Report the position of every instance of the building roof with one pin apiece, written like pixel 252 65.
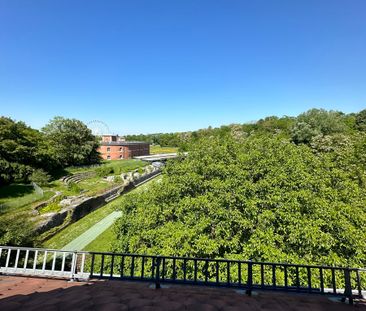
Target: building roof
pixel 123 143
pixel 24 293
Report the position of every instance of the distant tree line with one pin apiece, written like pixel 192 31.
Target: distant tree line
pixel 27 153
pixel 289 189
pixel 162 139
pixel 300 129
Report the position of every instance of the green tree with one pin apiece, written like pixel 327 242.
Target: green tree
pixel 318 122
pixel 21 149
pixel 71 142
pixel 16 230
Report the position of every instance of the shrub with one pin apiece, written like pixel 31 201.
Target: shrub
pixel 40 177
pixel 104 171
pixel 73 187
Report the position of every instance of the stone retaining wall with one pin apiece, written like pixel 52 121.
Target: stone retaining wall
pixel 88 205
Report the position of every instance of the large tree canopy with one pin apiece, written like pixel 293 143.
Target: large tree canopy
pixel 260 197
pixel 21 149
pixel 316 122
pixel 71 141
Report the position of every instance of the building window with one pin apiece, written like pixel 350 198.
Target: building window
pixel 108 149
pixel 108 157
pixel 121 156
pixel 120 149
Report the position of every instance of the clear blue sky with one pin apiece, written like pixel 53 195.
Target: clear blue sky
pixel 175 65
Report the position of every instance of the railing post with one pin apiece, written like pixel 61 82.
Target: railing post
pixel 157 274
pixel 250 278
pixel 92 266
pixel 73 266
pixel 348 286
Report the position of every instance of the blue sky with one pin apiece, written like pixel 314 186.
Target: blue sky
pixel 163 66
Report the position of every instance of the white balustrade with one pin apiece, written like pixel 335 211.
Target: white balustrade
pixel 43 262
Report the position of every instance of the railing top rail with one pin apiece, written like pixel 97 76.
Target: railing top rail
pixel 230 260
pixel 42 249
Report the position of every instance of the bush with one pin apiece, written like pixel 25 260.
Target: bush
pixel 73 187
pixel 104 171
pixel 40 177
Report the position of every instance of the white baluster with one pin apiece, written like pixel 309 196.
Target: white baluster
pixel 16 260
pixel 7 259
pixel 26 260
pixel 54 262
pixel 82 263
pixel 73 265
pixel 44 262
pixel 35 261
pixel 63 262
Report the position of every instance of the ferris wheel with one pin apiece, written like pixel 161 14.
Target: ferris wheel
pixel 98 128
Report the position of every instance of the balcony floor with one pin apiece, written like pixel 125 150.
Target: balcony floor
pixel 24 293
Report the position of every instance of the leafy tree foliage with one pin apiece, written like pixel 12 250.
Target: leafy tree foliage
pixel 260 196
pixel 16 231
pixel 317 122
pixel 21 149
pixel 301 129
pixel 24 150
pixel 71 142
pixel 361 120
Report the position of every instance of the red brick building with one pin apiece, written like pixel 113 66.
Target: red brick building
pixel 113 147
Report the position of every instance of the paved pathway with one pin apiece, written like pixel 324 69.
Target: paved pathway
pixel 91 234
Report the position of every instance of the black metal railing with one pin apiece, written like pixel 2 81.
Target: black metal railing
pixel 247 275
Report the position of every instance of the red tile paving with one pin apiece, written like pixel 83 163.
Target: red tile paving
pixel 36 294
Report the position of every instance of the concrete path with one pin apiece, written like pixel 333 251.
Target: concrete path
pixel 91 234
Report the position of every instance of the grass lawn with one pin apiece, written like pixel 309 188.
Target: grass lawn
pixel 103 242
pixel 125 165
pixel 119 166
pixel 16 197
pixel 154 149
pixel 94 185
